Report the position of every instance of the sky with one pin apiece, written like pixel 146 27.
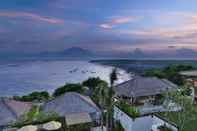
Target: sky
pixel 162 27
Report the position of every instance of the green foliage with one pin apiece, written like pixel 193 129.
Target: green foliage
pixel 98 88
pixel 68 88
pixel 184 90
pixel 118 127
pixel 42 117
pixel 164 128
pixel 185 119
pixel 128 109
pixel 93 82
pixel 34 96
pixel 170 72
pixel 159 99
pixel 34 116
pixel 99 94
pixel 80 127
pixel 178 68
pixel 155 72
pixel 32 113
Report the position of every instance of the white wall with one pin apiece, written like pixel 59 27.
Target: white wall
pixel 124 119
pixel 144 123
pixel 159 121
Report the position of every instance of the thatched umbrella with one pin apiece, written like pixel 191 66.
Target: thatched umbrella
pixel 53 125
pixel 28 128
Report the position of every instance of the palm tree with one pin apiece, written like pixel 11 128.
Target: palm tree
pixel 113 78
pixel 102 87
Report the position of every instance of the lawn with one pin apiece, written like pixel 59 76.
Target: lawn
pixel 190 123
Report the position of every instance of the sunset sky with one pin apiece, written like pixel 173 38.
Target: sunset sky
pixel 112 26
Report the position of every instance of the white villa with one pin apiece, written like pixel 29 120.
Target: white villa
pixel 145 93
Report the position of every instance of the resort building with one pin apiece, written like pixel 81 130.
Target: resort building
pixel 142 123
pixel 190 76
pixel 191 82
pixel 11 110
pixel 145 92
pixel 75 108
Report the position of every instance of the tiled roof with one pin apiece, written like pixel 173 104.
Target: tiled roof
pixel 144 86
pixel 70 102
pixel 10 110
pixel 77 118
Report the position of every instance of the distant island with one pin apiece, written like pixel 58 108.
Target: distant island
pixel 139 66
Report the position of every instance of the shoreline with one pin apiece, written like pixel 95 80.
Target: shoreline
pixel 25 78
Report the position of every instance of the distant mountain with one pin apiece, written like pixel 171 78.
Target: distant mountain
pixel 77 52
pixel 69 53
pixel 138 53
pixel 186 53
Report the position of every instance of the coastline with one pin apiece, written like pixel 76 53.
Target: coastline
pixel 25 77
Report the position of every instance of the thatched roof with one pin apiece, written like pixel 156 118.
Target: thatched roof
pixel 10 110
pixel 71 102
pixel 77 118
pixel 144 86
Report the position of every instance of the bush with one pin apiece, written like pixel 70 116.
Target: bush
pixel 68 88
pixel 80 127
pixel 128 109
pixel 118 127
pixel 34 96
pixel 93 82
pixel 159 99
pixel 164 128
pixel 170 72
pixel 34 116
pixel 154 72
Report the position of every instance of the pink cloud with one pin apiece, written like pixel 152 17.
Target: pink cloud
pixel 32 16
pixel 105 26
pixel 123 20
pixel 114 21
pixel 184 26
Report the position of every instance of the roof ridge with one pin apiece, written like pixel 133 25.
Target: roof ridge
pixel 133 78
pixel 169 83
pixel 9 108
pixel 84 98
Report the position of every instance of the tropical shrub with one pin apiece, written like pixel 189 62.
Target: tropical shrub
pixel 159 99
pixel 68 88
pixel 34 96
pixel 93 82
pixel 128 109
pixel 34 116
pixel 164 128
pixel 118 127
pixel 80 127
pixel 170 72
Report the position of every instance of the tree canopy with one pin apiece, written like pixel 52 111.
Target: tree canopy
pixel 93 82
pixel 34 96
pixel 170 72
pixel 185 119
pixel 68 88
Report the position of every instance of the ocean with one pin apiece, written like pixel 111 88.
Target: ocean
pixel 23 77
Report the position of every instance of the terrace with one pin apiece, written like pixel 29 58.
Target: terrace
pixel 142 123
